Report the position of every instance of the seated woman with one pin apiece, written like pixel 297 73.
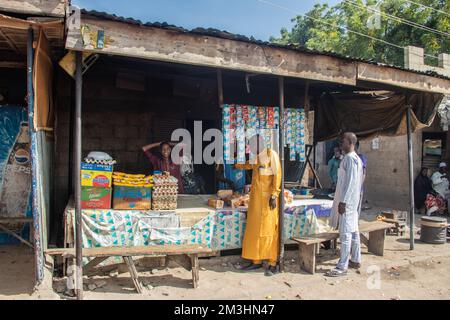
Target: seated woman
pixel 162 161
pixel 422 187
pixel 229 177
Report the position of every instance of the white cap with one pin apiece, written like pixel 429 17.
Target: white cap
pixel 442 165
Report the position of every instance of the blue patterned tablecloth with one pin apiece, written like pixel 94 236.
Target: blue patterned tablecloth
pixel 221 229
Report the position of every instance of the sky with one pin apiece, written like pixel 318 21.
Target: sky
pixel 245 17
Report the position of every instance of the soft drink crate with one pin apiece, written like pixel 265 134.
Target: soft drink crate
pixel 96 175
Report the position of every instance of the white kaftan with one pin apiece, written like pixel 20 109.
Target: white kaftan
pixel 440 184
pixel 348 191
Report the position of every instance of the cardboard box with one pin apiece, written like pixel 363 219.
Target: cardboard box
pixel 95 198
pixel 215 203
pixel 223 194
pixel 96 175
pixel 134 198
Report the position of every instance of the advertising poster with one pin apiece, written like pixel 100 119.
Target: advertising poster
pixel 15 169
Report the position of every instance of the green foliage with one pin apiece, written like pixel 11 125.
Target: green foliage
pixel 329 31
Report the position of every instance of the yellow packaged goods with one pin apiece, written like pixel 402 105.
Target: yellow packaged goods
pixel 96 175
pixel 132 180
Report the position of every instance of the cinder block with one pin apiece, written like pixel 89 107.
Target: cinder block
pixel 112 144
pixel 126 132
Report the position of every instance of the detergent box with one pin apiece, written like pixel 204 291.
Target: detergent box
pixel 132 198
pixel 96 175
pixel 96 198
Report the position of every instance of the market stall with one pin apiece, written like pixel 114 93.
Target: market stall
pixel 193 222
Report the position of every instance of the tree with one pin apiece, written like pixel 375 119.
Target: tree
pixel 327 28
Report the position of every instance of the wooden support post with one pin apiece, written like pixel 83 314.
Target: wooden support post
pixel 77 175
pixel 411 178
pixel 376 242
pixel 195 270
pixel 307 257
pixel 219 87
pixel 133 273
pixel 281 196
pixel 306 100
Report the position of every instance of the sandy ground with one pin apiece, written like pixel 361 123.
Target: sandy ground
pixel 399 274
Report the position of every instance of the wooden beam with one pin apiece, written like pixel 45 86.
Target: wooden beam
pixel 54 8
pixel 10 42
pixel 13 64
pixel 132 251
pixel 180 47
pixel 403 79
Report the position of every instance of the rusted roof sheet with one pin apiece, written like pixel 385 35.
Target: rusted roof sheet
pixel 227 35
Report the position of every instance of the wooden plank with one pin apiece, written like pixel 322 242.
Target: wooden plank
pixel 182 260
pixel 321 237
pixel 194 49
pixel 317 238
pixel 16 220
pixel 133 273
pixel 373 226
pixel 376 242
pixel 403 79
pixel 90 266
pixel 195 270
pixel 10 42
pixel 132 251
pixel 307 257
pixel 54 8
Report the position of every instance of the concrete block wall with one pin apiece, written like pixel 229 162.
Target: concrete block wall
pixel 119 133
pixel 387 180
pixel 414 60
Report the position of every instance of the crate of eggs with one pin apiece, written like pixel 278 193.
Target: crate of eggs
pixel 165 192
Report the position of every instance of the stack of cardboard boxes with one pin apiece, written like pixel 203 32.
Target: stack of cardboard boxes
pixel 96 186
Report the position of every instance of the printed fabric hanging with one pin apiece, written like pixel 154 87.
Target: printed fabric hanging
pixel 241 122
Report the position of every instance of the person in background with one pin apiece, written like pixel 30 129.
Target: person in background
pixel 261 242
pixel 162 161
pixel 422 187
pixel 333 166
pixel 229 177
pixel 440 182
pixel 345 211
pixel 363 160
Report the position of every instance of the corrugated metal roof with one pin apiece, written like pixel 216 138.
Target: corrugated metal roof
pixel 231 36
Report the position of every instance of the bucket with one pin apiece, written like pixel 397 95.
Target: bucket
pixel 433 230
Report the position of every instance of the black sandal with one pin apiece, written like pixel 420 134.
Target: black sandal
pixel 248 266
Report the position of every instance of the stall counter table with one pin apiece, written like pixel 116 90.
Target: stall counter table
pixel 192 223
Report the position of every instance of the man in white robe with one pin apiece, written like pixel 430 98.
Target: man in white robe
pixel 345 213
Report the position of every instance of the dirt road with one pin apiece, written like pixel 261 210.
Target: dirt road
pixel 400 274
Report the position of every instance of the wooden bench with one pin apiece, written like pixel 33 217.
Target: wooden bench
pixel 184 255
pixel 308 246
pixel 4 222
